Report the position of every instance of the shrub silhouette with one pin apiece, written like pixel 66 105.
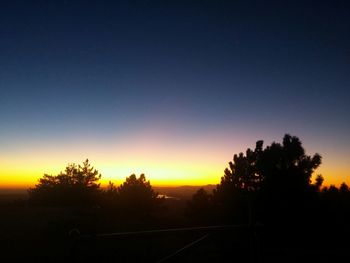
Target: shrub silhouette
pixel 77 185
pixel 136 195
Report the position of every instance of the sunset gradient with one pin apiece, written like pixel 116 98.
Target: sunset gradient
pixel 170 89
pixel 167 158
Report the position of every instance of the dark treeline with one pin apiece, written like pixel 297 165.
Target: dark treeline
pixel 274 187
pixel 78 186
pixel 271 185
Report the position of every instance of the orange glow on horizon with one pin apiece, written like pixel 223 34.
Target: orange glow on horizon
pixel 166 174
pixel 166 158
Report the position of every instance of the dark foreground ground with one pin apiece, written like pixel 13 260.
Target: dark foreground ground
pixel 41 234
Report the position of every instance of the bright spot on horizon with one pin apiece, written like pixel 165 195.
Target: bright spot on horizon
pixel 167 159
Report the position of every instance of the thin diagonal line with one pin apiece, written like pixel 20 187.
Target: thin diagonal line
pixel 182 249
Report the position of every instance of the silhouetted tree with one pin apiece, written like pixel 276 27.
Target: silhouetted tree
pixel 344 188
pixel 137 196
pixel 111 189
pixel 286 173
pixel 318 182
pixel 199 208
pixel 234 195
pixel 344 204
pixel 77 185
pixel 286 165
pixel 271 183
pixel 110 196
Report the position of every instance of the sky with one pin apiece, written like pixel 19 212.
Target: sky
pixel 171 89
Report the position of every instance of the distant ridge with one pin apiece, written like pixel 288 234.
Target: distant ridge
pixel 184 191
pixel 181 192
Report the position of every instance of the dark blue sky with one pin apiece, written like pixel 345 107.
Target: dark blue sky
pixel 102 68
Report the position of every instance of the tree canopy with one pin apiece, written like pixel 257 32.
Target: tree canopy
pixel 77 185
pixel 136 195
pixel 267 179
pixel 285 165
